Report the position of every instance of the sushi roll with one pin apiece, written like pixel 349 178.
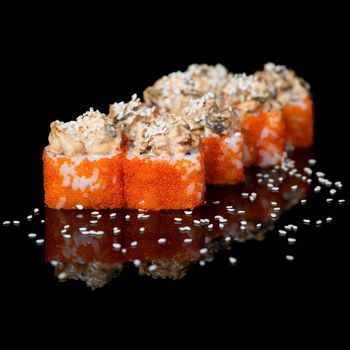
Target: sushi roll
pixel 219 130
pixel 164 167
pixel 83 164
pixel 297 104
pixel 260 117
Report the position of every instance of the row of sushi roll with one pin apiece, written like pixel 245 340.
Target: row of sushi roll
pixel 198 127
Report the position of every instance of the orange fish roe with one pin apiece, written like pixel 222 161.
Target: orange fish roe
pixel 264 138
pixel 224 159
pixel 155 183
pixel 299 123
pixel 91 181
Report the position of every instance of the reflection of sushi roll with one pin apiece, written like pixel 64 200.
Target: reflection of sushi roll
pixel 294 95
pixel 261 119
pixel 83 164
pixel 222 139
pixel 164 168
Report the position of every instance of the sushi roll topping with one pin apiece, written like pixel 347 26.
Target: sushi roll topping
pixel 248 93
pixel 288 85
pixel 91 134
pixel 208 115
pixel 167 134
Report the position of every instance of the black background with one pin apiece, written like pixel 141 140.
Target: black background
pixel 50 73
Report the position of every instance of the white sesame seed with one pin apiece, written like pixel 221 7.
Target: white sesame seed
pixel 222 220
pixel 294 228
pixel 66 236
pixel 258 175
pixel 40 241
pixel 124 251
pixel 196 222
pixel 275 189
pixel 308 171
pixel 142 229
pixel 99 216
pixel 81 229
pixel 229 206
pixel 210 226
pixel 241 212
pixel 79 216
pixel 42 221
pixel 306 221
pixel 217 217
pixel 271 180
pixel 341 201
pixel 116 230
pixel 282 232
pixel 137 262
pixel 142 216
pixel 152 268
pixel 332 192
pixel 202 263
pixel 259 225
pixel 230 210
pixel 86 232
pixel 133 244
pixel 291 240
pixel 54 263
pixel 269 185
pixel 266 176
pixel 338 184
pixel 303 201
pixel 127 217
pixel 228 239
pixel 112 215
pixel 288 227
pixel 232 260
pixel 318 222
pixel 99 233
pixel 290 257
pixel 308 181
pixel 32 235
pixel 188 240
pixel 243 227
pixel 317 189
pixel 329 200
pixel 277 209
pixel 203 251
pixel 329 219
pixel 79 207
pixel 116 246
pixel 294 188
pixel 273 215
pixel 94 213
pixel 216 202
pixel 16 222
pixel 64 231
pixel 161 240
pixel 260 181
pixel 29 217
pixel 62 275
pixel 312 161
pixel 93 222
pixel 188 212
pixel 221 225
pixel 243 222
pixel 6 223
pixel 178 219
pixel 36 210
pixel 245 195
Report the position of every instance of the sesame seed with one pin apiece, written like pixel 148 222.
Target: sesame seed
pixel 303 201
pixel 133 244
pixel 217 217
pixel 6 223
pixel 241 212
pixel 273 203
pixel 294 188
pixel 312 161
pixel 62 275
pixel 275 189
pixel 329 219
pixel 271 180
pixel 40 241
pixel 32 235
pixel 308 181
pixel 116 230
pixel 320 174
pixel 54 263
pixel 16 222
pixel 273 215
pixel 288 227
pixel 67 236
pixel 318 222
pixel 291 240
pixel 66 227
pixel 245 195
pixel 196 222
pixel 42 221
pixel 203 251
pixel 94 213
pixel 127 217
pixel 329 200
pixel 290 257
pixel 161 240
pixel 112 215
pixel 282 232
pixel 178 219
pixel 36 210
pixel 216 202
pixel 210 226
pixel 258 175
pixel 229 206
pixel 29 217
pixel 294 228
pixel 142 229
pixel 116 246
pixel 99 216
pixel 277 209
pixel 93 222
pixel 81 229
pixel 99 233
pixel 308 171
pixel 124 251
pixel 64 231
pixel 188 240
pixel 260 181
pixel 230 210
pixel 243 222
pixel 341 201
pixel 332 192
pixel 202 263
pixel 306 221
pixel 266 176
pixel 259 225
pixel 137 262
pixel 152 268
pixel 232 260
pixel 188 212
pixel 79 207
pixel 317 189
pixel 269 185
pixel 228 239
pixel 222 220
pixel 221 225
pixel 79 216
pixel 338 184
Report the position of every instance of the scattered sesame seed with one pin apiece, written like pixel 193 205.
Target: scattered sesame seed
pixel 221 225
pixel 188 212
pixel 54 263
pixel 210 226
pixel 282 232
pixel 152 268
pixel 232 260
pixel 62 275
pixel 6 223
pixel 94 213
pixel 294 228
pixel 241 212
pixel 291 240
pixel 188 240
pixel 332 192
pixel 312 161
pixel 124 251
pixel 66 236
pixel 271 180
pixel 329 219
pixel 216 202
pixel 112 215
pixel 79 216
pixel 259 225
pixel 36 210
pixel 99 233
pixel 288 227
pixel 260 181
pixel 317 189
pixel 202 263
pixel 161 240
pixel 303 201
pixel 93 222
pixel 341 201
pixel 196 222
pixel 133 244
pixel 329 200
pixel 16 222
pixel 273 215
pixel 277 209
pixel 338 184
pixel 116 246
pixel 127 217
pixel 32 235
pixel 178 219
pixel 243 222
pixel 290 257
pixel 42 221
pixel 29 217
pixel 137 262
pixel 230 210
pixel 320 174
pixel 116 230
pixel 228 239
pixel 308 171
pixel 203 251
pixel 245 195
pixel 99 216
pixel 275 189
pixel 40 241
pixel 294 188
pixel 223 220
pixel 269 185
pixel 82 229
pixel 308 181
pixel 318 222
pixel 64 231
pixel 306 221
pixel 142 229
pixel 79 207
pixel 229 206
pixel 66 226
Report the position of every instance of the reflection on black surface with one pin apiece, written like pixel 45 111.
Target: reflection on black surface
pixel 228 216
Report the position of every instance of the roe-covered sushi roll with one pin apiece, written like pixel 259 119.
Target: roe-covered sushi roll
pixel 83 164
pixel 294 95
pixel 164 167
pixel 260 118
